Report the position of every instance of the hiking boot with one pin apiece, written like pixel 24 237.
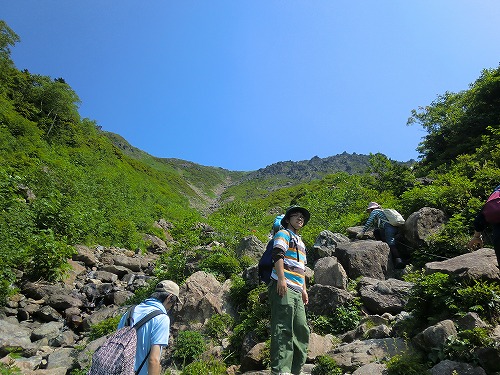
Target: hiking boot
pixel 399 264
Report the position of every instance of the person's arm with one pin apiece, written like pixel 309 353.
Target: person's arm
pixel 154 367
pixel 476 242
pixel 367 225
pixel 305 296
pixel 281 286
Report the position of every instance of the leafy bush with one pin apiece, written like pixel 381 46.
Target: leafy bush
pixel 219 326
pixel 221 262
pixel 6 369
pixel 409 363
pixel 211 367
pixel 342 319
pixel 439 296
pixel 326 366
pixel 49 257
pixel 188 346
pixel 463 347
pixel 104 328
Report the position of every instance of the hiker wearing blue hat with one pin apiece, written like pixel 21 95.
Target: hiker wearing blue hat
pixel 288 295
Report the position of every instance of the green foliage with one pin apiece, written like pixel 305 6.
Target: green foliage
pixel 456 122
pixel 463 347
pixel 104 328
pixel 211 367
pixel 409 363
pixel 221 262
pixel 326 366
pixel 6 369
pixel 254 314
pixel 343 318
pixel 439 296
pixel 188 346
pixel 219 326
pixel 48 257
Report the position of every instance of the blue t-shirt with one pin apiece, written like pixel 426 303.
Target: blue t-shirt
pixel 155 332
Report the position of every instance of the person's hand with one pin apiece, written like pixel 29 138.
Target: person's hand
pixel 305 297
pixel 360 235
pixel 475 243
pixel 281 287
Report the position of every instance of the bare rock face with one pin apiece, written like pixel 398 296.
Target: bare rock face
pixel 201 297
pixel 326 243
pixel 480 264
pixel 365 258
pixel 381 296
pixel 250 246
pixel 328 271
pixel 421 224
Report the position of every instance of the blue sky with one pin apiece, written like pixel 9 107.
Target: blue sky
pixel 244 84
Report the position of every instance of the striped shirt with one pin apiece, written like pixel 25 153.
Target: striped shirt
pixel 375 214
pixel 289 247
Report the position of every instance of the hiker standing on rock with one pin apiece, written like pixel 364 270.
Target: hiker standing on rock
pixel 377 218
pixel 154 334
pixel 288 295
pixel 489 214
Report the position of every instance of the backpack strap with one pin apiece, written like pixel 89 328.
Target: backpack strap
pixel 296 244
pixel 144 320
pixel 139 324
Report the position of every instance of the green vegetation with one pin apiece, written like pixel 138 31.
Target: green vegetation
pixel 63 181
pixel 188 347
pixel 439 296
pixel 326 366
pixel 104 328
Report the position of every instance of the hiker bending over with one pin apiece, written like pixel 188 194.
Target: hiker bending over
pixel 154 334
pixel 378 219
pixel 288 295
pixel 489 214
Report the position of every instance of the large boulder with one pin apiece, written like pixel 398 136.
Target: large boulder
pixel 480 264
pixel 328 271
pixel 365 258
pixel 381 296
pixel 326 243
pixel 422 224
pixel 324 299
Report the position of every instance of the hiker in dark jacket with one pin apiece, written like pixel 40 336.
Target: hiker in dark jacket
pixel 153 335
pixel 383 230
pixel 480 224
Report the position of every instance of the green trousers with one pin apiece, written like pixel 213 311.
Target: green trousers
pixel 289 331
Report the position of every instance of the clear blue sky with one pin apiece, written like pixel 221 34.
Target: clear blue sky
pixel 242 84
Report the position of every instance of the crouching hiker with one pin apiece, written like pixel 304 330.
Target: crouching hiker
pixel 154 334
pixel 135 348
pixel 384 231
pixel 288 295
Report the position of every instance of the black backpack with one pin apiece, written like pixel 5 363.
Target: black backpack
pixel 266 263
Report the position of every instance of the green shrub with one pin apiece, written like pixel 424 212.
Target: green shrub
pixel 409 363
pixel 482 297
pixel 219 326
pixel 104 328
pixel 326 366
pixel 211 367
pixel 463 347
pixel 188 346
pixel 343 319
pixel 221 262
pixel 49 257
pixel 6 369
